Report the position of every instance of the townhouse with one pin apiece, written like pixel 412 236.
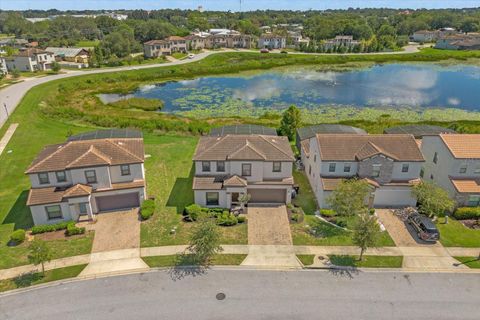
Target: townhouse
pixel 272 41
pixel 167 46
pixel 88 174
pixel 71 54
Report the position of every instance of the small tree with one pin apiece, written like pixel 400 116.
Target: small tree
pixel 56 66
pixel 39 254
pixel 365 233
pixel 290 122
pixel 243 199
pixel 349 197
pixel 204 242
pixel 433 200
pixel 15 73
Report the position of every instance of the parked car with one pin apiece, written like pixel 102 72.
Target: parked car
pixel 191 56
pixel 424 227
pixel 264 51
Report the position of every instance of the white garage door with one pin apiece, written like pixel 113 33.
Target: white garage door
pixel 393 197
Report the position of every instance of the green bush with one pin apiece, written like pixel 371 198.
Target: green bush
pixel 296 217
pixel 371 211
pixel 341 224
pixel 241 219
pixel 226 219
pixel 328 213
pixel 147 209
pixel 49 227
pixel 467 213
pixel 72 229
pixel 193 211
pixel 17 236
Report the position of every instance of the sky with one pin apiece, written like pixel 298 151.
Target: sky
pixel 233 5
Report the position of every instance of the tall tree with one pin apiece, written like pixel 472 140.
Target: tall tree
pixel 204 242
pixel 291 120
pixel 39 253
pixel 365 232
pixel 433 200
pixel 349 198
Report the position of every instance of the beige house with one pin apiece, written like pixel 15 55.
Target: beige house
pixel 391 164
pixel 453 162
pixel 272 41
pixel 229 165
pixel 30 60
pixel 86 176
pixel 167 46
pixel 72 54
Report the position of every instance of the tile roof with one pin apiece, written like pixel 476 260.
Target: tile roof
pixel 174 38
pixel 45 196
pixel 66 52
pixel 154 42
pixel 208 183
pixel 235 181
pixel 306 147
pixel 78 190
pixel 352 147
pixel 29 52
pixel 330 184
pixel 244 147
pixel 86 153
pixel 463 146
pixel 466 186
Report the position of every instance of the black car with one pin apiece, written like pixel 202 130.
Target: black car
pixel 425 228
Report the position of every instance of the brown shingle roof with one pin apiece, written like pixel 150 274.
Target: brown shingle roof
pixel 174 38
pixel 466 186
pixel 235 181
pixel 30 52
pixel 351 147
pixel 244 147
pixel 154 42
pixel 463 146
pixel 86 153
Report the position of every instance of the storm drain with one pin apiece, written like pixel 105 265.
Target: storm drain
pixel 220 296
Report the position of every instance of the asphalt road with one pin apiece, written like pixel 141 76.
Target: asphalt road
pixel 255 295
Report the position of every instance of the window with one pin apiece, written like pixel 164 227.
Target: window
pixel 405 167
pixel 422 172
pixel 277 166
pixel 83 207
pixel 221 166
pixel 376 170
pixel 246 169
pixel 431 177
pixel 473 201
pixel 435 158
pixel 54 212
pixel 212 198
pixel 91 176
pixel 477 170
pixel 206 166
pixel 61 176
pixel 309 169
pixel 346 167
pixel 43 178
pixel 331 167
pixel 125 169
pixel 463 168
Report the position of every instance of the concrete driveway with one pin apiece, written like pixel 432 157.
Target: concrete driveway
pixel 268 225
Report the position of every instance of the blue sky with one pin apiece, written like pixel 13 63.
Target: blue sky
pixel 232 4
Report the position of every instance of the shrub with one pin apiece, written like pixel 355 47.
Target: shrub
pixel 341 223
pixel 72 229
pixel 467 213
pixel 49 227
pixel 328 213
pixel 193 211
pixel 242 219
pixel 17 236
pixel 226 219
pixel 296 217
pixel 147 209
pixel 371 211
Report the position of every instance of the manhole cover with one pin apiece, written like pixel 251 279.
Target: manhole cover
pixel 220 296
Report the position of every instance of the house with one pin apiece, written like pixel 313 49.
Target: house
pixel 31 60
pixel 425 36
pixel 297 39
pixel 272 41
pixel 167 46
pixel 341 41
pixel 195 42
pixel 177 44
pixel 233 164
pixel 3 66
pixel 13 42
pixel 453 162
pixel 88 174
pixel 459 42
pixel 390 164
pixel 75 55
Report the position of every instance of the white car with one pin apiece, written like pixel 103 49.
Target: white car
pixel 191 56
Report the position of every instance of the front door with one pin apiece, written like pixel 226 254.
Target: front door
pixel 235 196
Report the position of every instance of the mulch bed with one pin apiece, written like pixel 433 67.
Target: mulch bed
pixel 471 224
pixel 290 213
pixel 57 235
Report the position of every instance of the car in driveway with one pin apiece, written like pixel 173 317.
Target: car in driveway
pixel 265 50
pixel 424 227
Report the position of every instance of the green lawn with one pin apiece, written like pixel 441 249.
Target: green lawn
pixel 305 198
pixel 455 234
pixel 32 279
pixel 179 55
pixel 367 262
pixel 306 259
pixel 87 43
pixel 172 260
pixel 471 262
pixel 325 234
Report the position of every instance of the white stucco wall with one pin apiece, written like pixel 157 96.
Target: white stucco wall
pixel 136 173
pixel 201 198
pixel 52 178
pixel 103 177
pixel 39 214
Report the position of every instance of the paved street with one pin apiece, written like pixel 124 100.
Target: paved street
pixel 254 295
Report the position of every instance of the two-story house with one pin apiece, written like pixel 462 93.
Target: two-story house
pixel 230 165
pixel 453 162
pixel 272 41
pixel 391 164
pixel 30 60
pixel 85 176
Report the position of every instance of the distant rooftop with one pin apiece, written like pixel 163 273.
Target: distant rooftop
pixel 243 129
pixel 419 131
pixel 311 131
pixel 107 134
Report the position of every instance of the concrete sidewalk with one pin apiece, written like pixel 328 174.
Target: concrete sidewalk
pixel 7 136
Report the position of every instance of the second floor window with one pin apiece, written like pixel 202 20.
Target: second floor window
pixel 331 167
pixel 206 166
pixel 246 169
pixel 463 168
pixel 125 169
pixel 376 170
pixel 435 158
pixel 91 176
pixel 277 166
pixel 61 176
pixel 220 166
pixel 405 167
pixel 346 167
pixel 43 178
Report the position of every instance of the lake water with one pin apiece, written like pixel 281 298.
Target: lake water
pixel 390 85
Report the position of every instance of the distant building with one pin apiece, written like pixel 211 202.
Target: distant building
pixel 3 66
pixel 298 39
pixel 167 46
pixel 31 60
pixel 13 42
pixel 432 35
pixel 459 42
pixel 75 55
pixel 345 41
pixel 272 41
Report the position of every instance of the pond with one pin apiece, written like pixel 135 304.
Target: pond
pixel 393 86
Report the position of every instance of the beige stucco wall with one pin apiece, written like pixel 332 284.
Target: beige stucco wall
pixel 136 173
pixel 201 198
pixel 103 177
pixel 39 214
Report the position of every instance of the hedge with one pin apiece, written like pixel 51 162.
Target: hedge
pixel 226 219
pixel 328 213
pixel 74 230
pixel 147 209
pixel 49 227
pixel 467 213
pixel 17 236
pixel 193 211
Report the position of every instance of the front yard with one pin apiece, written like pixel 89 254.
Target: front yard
pixel 174 260
pixel 455 234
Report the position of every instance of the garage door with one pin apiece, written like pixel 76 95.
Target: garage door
pixel 118 202
pixel 393 197
pixel 267 195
